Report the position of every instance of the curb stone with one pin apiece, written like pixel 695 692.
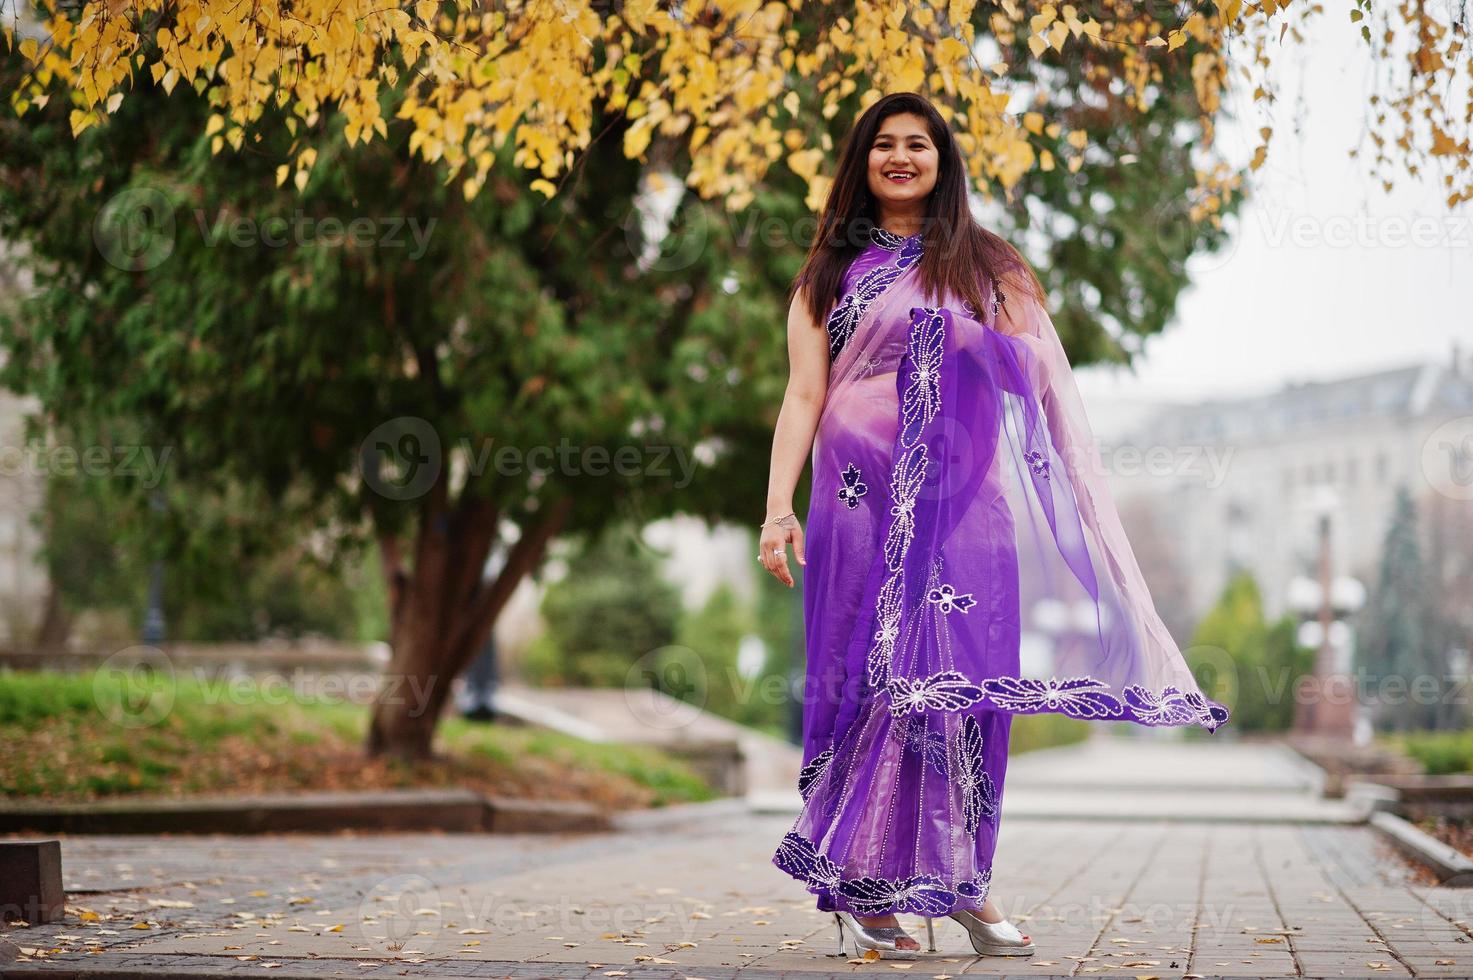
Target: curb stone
pixel 1452 867
pixel 383 810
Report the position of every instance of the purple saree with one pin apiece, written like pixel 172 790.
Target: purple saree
pixel 958 508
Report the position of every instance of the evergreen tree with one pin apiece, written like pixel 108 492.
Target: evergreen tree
pixel 1394 648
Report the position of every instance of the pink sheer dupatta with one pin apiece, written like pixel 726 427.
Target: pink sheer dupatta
pixel 1021 315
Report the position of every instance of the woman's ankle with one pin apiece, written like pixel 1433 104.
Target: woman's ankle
pixel 873 920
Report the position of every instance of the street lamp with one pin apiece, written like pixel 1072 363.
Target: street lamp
pixel 1327 703
pixel 153 616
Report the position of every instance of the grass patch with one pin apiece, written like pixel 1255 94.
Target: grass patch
pixel 78 737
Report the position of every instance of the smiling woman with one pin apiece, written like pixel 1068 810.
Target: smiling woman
pixel 956 495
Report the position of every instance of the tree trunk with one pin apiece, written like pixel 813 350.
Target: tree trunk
pixel 442 612
pixel 56 625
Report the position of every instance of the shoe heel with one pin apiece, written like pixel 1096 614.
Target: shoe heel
pixel 840 923
pixel 930 936
pixel 880 939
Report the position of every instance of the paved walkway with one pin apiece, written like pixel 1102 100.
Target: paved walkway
pixel 693 893
pixel 1151 775
pixel 644 715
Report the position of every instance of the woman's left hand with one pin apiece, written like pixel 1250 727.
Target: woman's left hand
pixel 772 547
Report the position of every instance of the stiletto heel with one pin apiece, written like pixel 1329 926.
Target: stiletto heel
pixel 930 936
pixel 1000 938
pixel 840 923
pixel 881 938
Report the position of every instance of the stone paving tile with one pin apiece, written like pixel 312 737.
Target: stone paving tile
pixel 1136 897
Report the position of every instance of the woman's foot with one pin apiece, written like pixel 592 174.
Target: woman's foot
pixel 991 914
pixel 901 942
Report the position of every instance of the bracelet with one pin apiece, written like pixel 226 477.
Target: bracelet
pixel 776 519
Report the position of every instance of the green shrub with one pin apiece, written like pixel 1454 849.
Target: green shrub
pixel 610 610
pixel 1441 753
pixel 1263 662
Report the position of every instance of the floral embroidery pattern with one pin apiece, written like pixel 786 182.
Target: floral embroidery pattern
pixel 905 484
pixel 846 316
pixel 1038 462
pixel 909 248
pixel 977 888
pixel 853 488
pixel 809 775
pixel 948 690
pixel 1091 698
pixel 910 253
pixel 850 310
pixel 979 795
pixel 1080 697
pixel 799 857
pixel 922 894
pixel 1171 707
pixel 947 599
pixel 916 736
pixel 887 630
pixel 923 395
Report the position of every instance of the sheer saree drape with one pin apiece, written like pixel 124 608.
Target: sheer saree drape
pixel 966 563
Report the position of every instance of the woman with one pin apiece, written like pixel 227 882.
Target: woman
pixel 957 495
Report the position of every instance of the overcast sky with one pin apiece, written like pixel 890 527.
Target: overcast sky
pixel 1327 275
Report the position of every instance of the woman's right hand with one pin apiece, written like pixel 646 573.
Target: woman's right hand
pixel 772 547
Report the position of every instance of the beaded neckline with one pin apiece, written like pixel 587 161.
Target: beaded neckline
pixel 890 240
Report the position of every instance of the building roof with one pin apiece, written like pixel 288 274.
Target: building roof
pixel 1407 392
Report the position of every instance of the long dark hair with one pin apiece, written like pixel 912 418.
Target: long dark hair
pixel 959 256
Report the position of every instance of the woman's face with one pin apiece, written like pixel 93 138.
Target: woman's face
pixel 902 146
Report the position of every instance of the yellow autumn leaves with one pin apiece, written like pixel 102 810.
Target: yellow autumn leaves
pixel 720 78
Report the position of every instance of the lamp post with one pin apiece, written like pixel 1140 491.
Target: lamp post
pixel 1327 704
pixel 153 616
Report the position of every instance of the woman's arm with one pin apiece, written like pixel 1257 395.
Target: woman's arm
pixel 792 438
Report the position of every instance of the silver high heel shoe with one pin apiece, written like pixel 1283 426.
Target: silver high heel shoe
pixel 882 938
pixel 1000 938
